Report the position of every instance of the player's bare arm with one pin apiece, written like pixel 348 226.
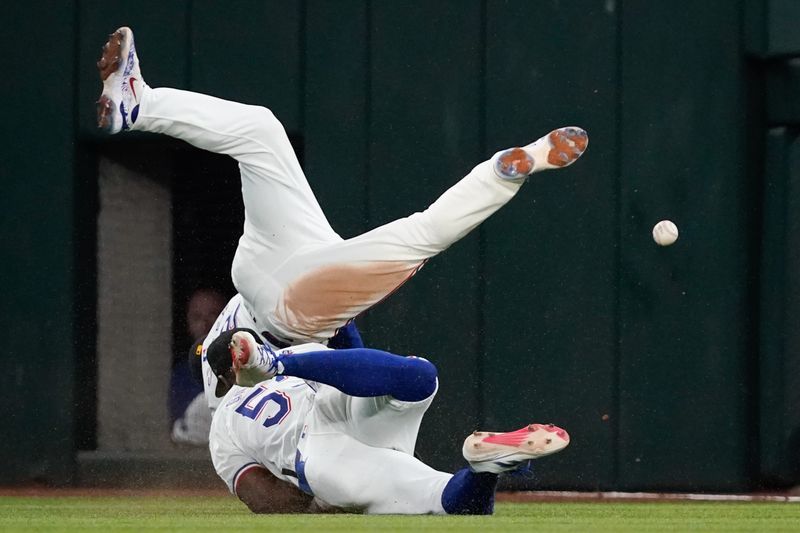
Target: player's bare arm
pixel 263 493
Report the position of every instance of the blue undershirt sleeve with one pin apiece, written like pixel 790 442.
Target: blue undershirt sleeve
pixel 365 372
pixel 346 337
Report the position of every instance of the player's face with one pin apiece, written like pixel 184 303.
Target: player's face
pixel 202 312
pixel 225 382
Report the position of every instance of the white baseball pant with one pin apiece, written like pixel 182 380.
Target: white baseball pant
pixel 358 455
pixel 300 280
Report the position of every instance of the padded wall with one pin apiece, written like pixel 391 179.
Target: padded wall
pixel 36 236
pixel 560 308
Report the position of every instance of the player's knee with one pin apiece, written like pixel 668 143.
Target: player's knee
pixel 267 123
pixel 266 116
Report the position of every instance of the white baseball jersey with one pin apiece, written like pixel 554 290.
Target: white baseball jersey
pixel 260 427
pixel 234 315
pixel 350 452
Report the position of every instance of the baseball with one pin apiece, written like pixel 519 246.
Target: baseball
pixel 665 233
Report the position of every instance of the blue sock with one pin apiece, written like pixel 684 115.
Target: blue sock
pixel 469 492
pixel 365 372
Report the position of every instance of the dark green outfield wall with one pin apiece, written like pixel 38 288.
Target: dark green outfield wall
pixel 672 368
pixel 36 236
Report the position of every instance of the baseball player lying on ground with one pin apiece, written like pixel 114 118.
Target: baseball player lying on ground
pixel 298 280
pixel 309 429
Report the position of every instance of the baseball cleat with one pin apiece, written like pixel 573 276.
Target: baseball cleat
pixel 514 163
pixel 503 452
pixel 118 105
pixel 252 362
pixel 559 148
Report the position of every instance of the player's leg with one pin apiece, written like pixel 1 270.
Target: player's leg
pixel 355 451
pixel 325 285
pixel 380 399
pixel 280 209
pixel 376 397
pixel 360 372
pixel 344 472
pixel 279 204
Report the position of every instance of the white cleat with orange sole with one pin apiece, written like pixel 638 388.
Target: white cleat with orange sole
pixel 503 452
pixel 558 149
pixel 252 361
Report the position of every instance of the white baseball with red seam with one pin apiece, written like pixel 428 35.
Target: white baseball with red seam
pixel 665 233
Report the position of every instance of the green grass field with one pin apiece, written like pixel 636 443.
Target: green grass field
pixel 140 513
